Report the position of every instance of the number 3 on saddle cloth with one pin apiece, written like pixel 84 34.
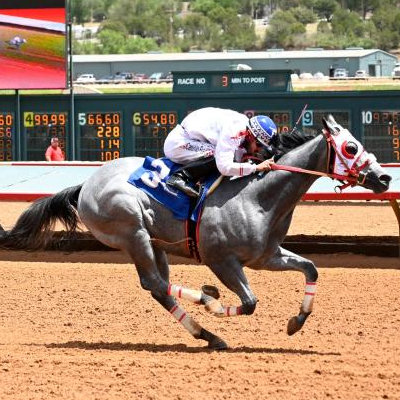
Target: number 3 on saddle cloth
pixel 151 177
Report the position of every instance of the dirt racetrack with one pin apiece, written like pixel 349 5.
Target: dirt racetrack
pixel 84 330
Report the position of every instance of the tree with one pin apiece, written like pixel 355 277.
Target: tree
pixel 216 25
pixel 199 32
pixel 325 8
pixel 112 42
pixel 363 6
pixel 303 15
pixel 288 4
pixel 79 11
pixel 254 8
pixel 283 29
pixel 386 21
pixel 139 45
pixel 115 26
pixel 347 23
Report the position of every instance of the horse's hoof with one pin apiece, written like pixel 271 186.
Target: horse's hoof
pixel 217 343
pixel 211 291
pixel 214 307
pixel 214 342
pixel 294 325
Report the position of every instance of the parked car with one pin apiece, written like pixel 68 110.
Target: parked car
pixel 105 80
pixel 155 77
pixel 361 74
pixel 86 78
pixel 305 76
pixel 123 77
pixel 140 78
pixel 319 75
pixel 340 73
pixel 396 71
pixel 166 77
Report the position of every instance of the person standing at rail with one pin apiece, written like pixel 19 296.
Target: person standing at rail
pixel 54 152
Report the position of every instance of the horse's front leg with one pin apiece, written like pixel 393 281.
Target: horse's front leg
pixel 230 273
pixel 285 260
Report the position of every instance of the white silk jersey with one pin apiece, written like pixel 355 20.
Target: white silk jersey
pixel 211 131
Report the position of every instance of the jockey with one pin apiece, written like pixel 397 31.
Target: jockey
pixel 211 139
pixel 17 41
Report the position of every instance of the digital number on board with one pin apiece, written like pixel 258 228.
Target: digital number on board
pixel 381 133
pixel 150 130
pixel 39 128
pixel 6 136
pixel 100 136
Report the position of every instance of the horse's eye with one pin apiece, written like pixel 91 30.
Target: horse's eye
pixel 351 148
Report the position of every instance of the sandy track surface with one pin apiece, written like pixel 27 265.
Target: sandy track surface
pixel 84 330
pixel 87 331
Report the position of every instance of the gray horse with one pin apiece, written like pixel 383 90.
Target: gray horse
pixel 244 223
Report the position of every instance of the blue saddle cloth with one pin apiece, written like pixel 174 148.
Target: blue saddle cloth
pixel 151 177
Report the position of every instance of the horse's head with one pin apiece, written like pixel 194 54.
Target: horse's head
pixel 352 161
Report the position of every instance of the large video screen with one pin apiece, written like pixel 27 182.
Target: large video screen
pixel 33 44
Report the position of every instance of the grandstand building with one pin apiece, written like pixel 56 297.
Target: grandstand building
pixel 374 61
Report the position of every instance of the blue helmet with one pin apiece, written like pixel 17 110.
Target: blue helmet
pixel 262 128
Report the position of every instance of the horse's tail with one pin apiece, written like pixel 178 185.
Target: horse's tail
pixel 32 229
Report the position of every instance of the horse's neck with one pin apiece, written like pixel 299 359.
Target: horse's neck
pixel 289 187
pixel 311 155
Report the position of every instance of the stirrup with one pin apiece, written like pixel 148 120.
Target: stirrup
pixel 178 182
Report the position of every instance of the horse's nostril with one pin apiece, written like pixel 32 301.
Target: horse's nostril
pixel 385 178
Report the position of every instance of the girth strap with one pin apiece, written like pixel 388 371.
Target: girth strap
pixel 192 232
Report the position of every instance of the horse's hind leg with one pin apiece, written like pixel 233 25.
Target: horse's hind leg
pixel 152 267
pixel 284 260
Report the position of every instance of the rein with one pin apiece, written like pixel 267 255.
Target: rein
pixel 355 176
pixel 279 167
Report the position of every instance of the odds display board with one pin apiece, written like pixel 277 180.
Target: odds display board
pixel 150 128
pixel 39 128
pixel 381 134
pixel 106 127
pixel 33 45
pixel 7 134
pixel 100 136
pixel 252 81
pixel 312 119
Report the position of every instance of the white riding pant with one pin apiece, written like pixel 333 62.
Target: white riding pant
pixel 182 149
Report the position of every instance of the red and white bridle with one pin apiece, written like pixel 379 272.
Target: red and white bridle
pixel 345 167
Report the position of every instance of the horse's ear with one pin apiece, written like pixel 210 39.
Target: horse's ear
pixel 325 124
pixel 331 125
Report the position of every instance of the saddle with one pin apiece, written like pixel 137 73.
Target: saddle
pixel 152 178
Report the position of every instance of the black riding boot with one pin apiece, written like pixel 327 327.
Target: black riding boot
pixel 186 177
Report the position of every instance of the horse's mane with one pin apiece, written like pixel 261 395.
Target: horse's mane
pixel 291 140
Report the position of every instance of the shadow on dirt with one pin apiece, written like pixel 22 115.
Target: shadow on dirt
pixel 180 348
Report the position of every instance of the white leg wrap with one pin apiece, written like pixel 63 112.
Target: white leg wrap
pixel 186 320
pixel 214 307
pixel 181 292
pixel 307 305
pixel 217 309
pixel 232 311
